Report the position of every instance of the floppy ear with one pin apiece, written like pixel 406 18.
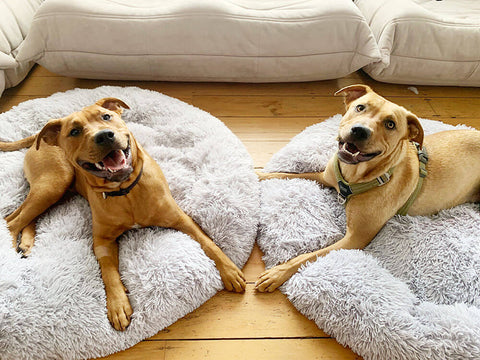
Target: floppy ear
pixel 415 130
pixel 113 104
pixel 49 133
pixel 353 92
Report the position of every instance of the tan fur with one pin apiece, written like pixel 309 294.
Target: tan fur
pixel 453 174
pixel 51 168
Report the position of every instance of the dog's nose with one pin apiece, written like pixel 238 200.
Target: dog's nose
pixel 360 132
pixel 104 137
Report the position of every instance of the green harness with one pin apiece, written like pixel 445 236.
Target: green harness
pixel 347 190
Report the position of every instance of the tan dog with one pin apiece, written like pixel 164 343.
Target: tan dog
pixel 375 139
pixel 93 151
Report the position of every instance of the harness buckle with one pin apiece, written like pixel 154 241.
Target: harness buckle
pixel 383 179
pixel 341 200
pixel 423 157
pixel 344 192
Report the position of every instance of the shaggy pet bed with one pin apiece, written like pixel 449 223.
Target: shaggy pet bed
pixel 413 293
pixel 52 304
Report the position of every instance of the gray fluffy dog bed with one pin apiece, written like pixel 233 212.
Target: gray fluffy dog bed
pixel 52 305
pixel 413 293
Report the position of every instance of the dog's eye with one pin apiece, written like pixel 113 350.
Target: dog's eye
pixel 106 117
pixel 359 108
pixel 75 132
pixel 390 124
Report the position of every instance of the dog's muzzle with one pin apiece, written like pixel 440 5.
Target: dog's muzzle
pixel 349 153
pixel 116 166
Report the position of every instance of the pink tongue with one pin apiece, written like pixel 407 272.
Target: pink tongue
pixel 115 161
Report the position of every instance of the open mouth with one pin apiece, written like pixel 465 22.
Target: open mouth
pixel 115 166
pixel 349 153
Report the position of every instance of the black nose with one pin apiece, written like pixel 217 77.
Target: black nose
pixel 360 132
pixel 104 137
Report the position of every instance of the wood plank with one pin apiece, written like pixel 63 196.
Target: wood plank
pixel 460 108
pixel 265 349
pixel 254 265
pixel 151 350
pixel 45 86
pixel 243 316
pixel 291 106
pixel 268 128
pixel 39 70
pixel 474 122
pixel 262 151
pixel 323 88
pixel 281 349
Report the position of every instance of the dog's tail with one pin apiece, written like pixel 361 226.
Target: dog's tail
pixel 17 145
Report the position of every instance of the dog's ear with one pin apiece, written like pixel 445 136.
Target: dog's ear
pixel 353 92
pixel 415 130
pixel 113 104
pixel 49 133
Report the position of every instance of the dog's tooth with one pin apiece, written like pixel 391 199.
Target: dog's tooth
pixel 98 166
pixel 357 153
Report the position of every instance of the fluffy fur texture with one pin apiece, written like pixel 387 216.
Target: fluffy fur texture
pixel 413 293
pixel 52 305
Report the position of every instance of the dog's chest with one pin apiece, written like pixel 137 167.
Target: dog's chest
pixel 143 206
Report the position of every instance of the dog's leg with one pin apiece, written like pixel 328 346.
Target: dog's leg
pixel 362 226
pixel 315 176
pixel 119 309
pixel 49 175
pixel 27 239
pixel 39 199
pixel 231 275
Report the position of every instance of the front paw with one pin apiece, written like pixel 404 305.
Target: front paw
pixel 119 311
pixel 232 277
pixel 271 279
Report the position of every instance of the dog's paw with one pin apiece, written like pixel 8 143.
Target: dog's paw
pixel 25 247
pixel 119 311
pixel 271 279
pixel 232 277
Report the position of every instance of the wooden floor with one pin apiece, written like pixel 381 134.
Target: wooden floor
pixel 265 117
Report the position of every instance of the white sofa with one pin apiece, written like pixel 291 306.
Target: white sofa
pixel 425 42
pixel 408 41
pixel 15 20
pixel 201 40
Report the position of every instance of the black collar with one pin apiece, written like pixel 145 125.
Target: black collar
pixel 125 191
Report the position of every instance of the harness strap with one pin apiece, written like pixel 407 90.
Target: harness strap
pixel 423 160
pixel 346 190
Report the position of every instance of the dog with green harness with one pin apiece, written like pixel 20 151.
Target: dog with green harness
pixel 384 166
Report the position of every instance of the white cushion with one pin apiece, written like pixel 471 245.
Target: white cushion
pixel 201 40
pixel 2 81
pixel 15 19
pixel 425 41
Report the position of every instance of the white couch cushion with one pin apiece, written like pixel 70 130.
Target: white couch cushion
pixel 15 19
pixel 201 40
pixel 425 41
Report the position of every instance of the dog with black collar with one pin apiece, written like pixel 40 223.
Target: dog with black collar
pixel 93 153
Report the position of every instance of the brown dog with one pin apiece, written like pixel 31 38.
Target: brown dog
pixel 376 147
pixel 93 152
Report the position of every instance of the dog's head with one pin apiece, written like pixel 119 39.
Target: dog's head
pixel 95 139
pixel 373 126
